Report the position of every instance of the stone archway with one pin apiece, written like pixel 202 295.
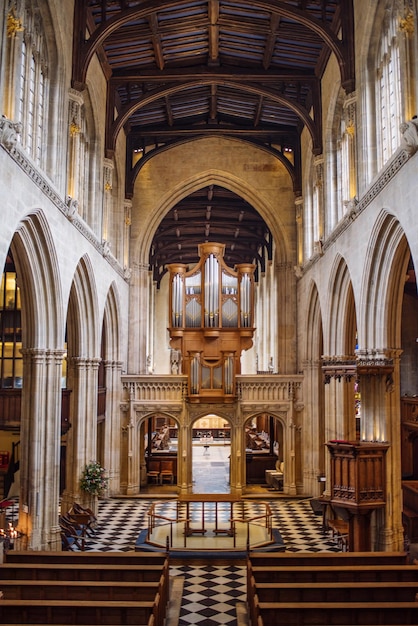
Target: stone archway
pixel 265 447
pixel 211 454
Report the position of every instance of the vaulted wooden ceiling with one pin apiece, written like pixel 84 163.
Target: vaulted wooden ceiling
pixel 178 70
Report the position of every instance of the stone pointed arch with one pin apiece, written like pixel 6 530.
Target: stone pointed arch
pixel 314 459
pixel 38 276
pixel 203 176
pixel 43 341
pixel 313 338
pixel 83 347
pixel 112 324
pixel 83 319
pixel 382 285
pixel 109 429
pixel 341 326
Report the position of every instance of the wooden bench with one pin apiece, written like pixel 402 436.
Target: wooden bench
pixel 337 592
pixel 121 558
pixel 329 558
pixel 86 572
pixel 78 590
pixel 75 612
pixel 307 613
pixel 344 573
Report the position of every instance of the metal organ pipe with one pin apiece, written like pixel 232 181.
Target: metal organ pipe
pixel 177 304
pixel 215 291
pixel 244 309
pixel 211 292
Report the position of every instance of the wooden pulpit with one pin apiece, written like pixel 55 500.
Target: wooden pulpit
pixel 358 485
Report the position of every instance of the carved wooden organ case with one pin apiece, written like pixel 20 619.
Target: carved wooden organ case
pixel 211 322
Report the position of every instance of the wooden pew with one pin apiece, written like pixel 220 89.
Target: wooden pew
pixel 308 613
pixel 85 572
pixel 337 592
pixel 101 558
pixel 410 508
pixel 329 558
pixel 78 590
pixel 75 612
pixel 343 573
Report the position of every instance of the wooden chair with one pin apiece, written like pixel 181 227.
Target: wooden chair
pixel 83 515
pixel 72 536
pixel 167 472
pixel 153 473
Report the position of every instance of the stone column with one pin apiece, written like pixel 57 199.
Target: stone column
pixel 319 217
pixel 74 129
pixel 299 230
pixel 112 442
pixel 238 456
pixel 184 455
pixel 40 450
pixel 138 316
pixel 286 314
pixel 107 230
pixel 313 456
pixel 350 113
pixel 132 432
pixel 82 437
pixel 127 208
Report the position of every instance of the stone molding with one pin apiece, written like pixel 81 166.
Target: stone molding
pixel 8 141
pixel 357 206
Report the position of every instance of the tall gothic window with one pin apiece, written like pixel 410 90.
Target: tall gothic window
pixel 388 91
pixel 11 364
pixel 31 87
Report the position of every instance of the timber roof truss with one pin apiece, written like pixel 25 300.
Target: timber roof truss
pixel 178 70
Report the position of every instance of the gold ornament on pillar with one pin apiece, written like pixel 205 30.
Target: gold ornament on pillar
pixel 14 25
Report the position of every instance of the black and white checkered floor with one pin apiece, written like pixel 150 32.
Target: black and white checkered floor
pixel 211 593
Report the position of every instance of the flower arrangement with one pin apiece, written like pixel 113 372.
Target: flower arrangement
pixel 93 479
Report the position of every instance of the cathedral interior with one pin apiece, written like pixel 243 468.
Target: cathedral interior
pixel 208 244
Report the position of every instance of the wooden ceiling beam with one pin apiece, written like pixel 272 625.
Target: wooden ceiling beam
pixel 156 41
pixel 212 73
pixel 213 12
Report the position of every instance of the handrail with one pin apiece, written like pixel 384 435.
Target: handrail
pixel 157 520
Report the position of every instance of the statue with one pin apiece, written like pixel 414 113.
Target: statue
pixel 409 132
pixel 8 132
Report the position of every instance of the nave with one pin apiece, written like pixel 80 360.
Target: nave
pixel 210 595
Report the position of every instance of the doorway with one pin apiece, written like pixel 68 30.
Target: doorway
pixel 211 452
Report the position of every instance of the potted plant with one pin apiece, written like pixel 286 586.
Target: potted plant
pixel 93 479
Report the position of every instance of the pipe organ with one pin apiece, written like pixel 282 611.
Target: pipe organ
pixel 211 316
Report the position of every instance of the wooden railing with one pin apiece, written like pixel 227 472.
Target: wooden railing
pixel 251 388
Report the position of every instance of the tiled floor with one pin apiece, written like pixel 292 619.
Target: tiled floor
pixel 210 594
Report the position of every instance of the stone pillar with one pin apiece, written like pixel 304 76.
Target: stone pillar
pixel 319 216
pixel 132 431
pixel 74 130
pixel 350 114
pixel 313 456
pixel 82 437
pixel 40 445
pixel 107 230
pixel 185 455
pixel 112 441
pixel 286 314
pixel 299 230
pixel 138 316
pixel 290 467
pixel 127 208
pixel 238 457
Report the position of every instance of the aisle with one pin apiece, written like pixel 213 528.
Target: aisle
pixel 210 595
pixel 207 595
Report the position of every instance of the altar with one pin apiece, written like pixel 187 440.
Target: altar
pixel 208 522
